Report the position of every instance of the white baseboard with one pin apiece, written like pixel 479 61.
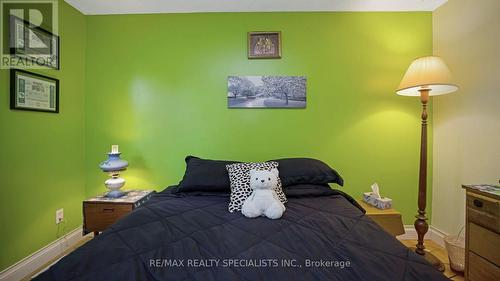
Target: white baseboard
pixel 29 264
pixel 433 234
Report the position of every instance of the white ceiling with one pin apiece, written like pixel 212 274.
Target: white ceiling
pixel 103 7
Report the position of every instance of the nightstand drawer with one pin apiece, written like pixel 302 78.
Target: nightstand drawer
pixel 101 211
pixel 98 216
pixel 485 243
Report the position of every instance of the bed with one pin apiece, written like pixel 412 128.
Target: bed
pixel 323 235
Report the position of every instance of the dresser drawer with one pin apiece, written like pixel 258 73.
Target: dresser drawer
pixel 485 243
pixel 483 204
pixel 482 270
pixel 98 216
pixel 484 219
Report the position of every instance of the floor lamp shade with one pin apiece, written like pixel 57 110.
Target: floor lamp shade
pixel 427 73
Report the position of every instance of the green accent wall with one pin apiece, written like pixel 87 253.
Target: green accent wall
pixel 156 85
pixel 42 154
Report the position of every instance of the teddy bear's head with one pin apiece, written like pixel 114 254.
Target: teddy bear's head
pixel 263 179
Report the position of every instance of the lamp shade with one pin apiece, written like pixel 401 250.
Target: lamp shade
pixel 427 73
pixel 113 163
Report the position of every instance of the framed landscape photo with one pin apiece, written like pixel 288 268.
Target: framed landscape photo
pixel 33 44
pixel 266 91
pixel 30 91
pixel 264 45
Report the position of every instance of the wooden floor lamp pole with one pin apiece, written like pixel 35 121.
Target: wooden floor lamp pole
pixel 423 75
pixel 421 225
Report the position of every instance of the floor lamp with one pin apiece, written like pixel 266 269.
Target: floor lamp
pixel 426 76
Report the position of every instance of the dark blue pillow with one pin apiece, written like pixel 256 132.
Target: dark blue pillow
pixel 205 175
pixel 294 171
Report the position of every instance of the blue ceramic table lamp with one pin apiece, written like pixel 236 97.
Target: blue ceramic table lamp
pixel 113 166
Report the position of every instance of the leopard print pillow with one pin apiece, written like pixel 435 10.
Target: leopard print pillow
pixel 239 176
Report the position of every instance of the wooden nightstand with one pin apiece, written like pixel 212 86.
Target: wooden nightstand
pixel 389 219
pixel 100 212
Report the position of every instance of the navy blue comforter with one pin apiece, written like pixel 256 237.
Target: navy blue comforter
pixel 323 235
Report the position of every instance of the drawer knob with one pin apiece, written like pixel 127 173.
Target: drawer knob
pixel 478 203
pixel 110 210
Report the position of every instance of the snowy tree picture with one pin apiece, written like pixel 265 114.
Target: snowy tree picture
pixel 266 91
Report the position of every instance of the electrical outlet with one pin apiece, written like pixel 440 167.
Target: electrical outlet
pixel 59 216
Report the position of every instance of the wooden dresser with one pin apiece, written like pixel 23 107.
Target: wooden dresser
pixel 482 245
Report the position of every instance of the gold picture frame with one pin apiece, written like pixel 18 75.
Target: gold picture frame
pixel 264 44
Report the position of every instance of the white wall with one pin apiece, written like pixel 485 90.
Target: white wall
pixel 466 123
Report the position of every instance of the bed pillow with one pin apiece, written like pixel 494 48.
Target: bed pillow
pixel 295 171
pixel 205 175
pixel 239 176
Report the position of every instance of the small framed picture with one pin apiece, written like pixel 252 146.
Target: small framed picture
pixel 33 44
pixel 30 91
pixel 264 45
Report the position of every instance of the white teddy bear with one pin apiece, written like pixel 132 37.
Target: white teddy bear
pixel 263 201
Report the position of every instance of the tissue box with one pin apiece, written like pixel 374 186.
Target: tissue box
pixel 379 203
